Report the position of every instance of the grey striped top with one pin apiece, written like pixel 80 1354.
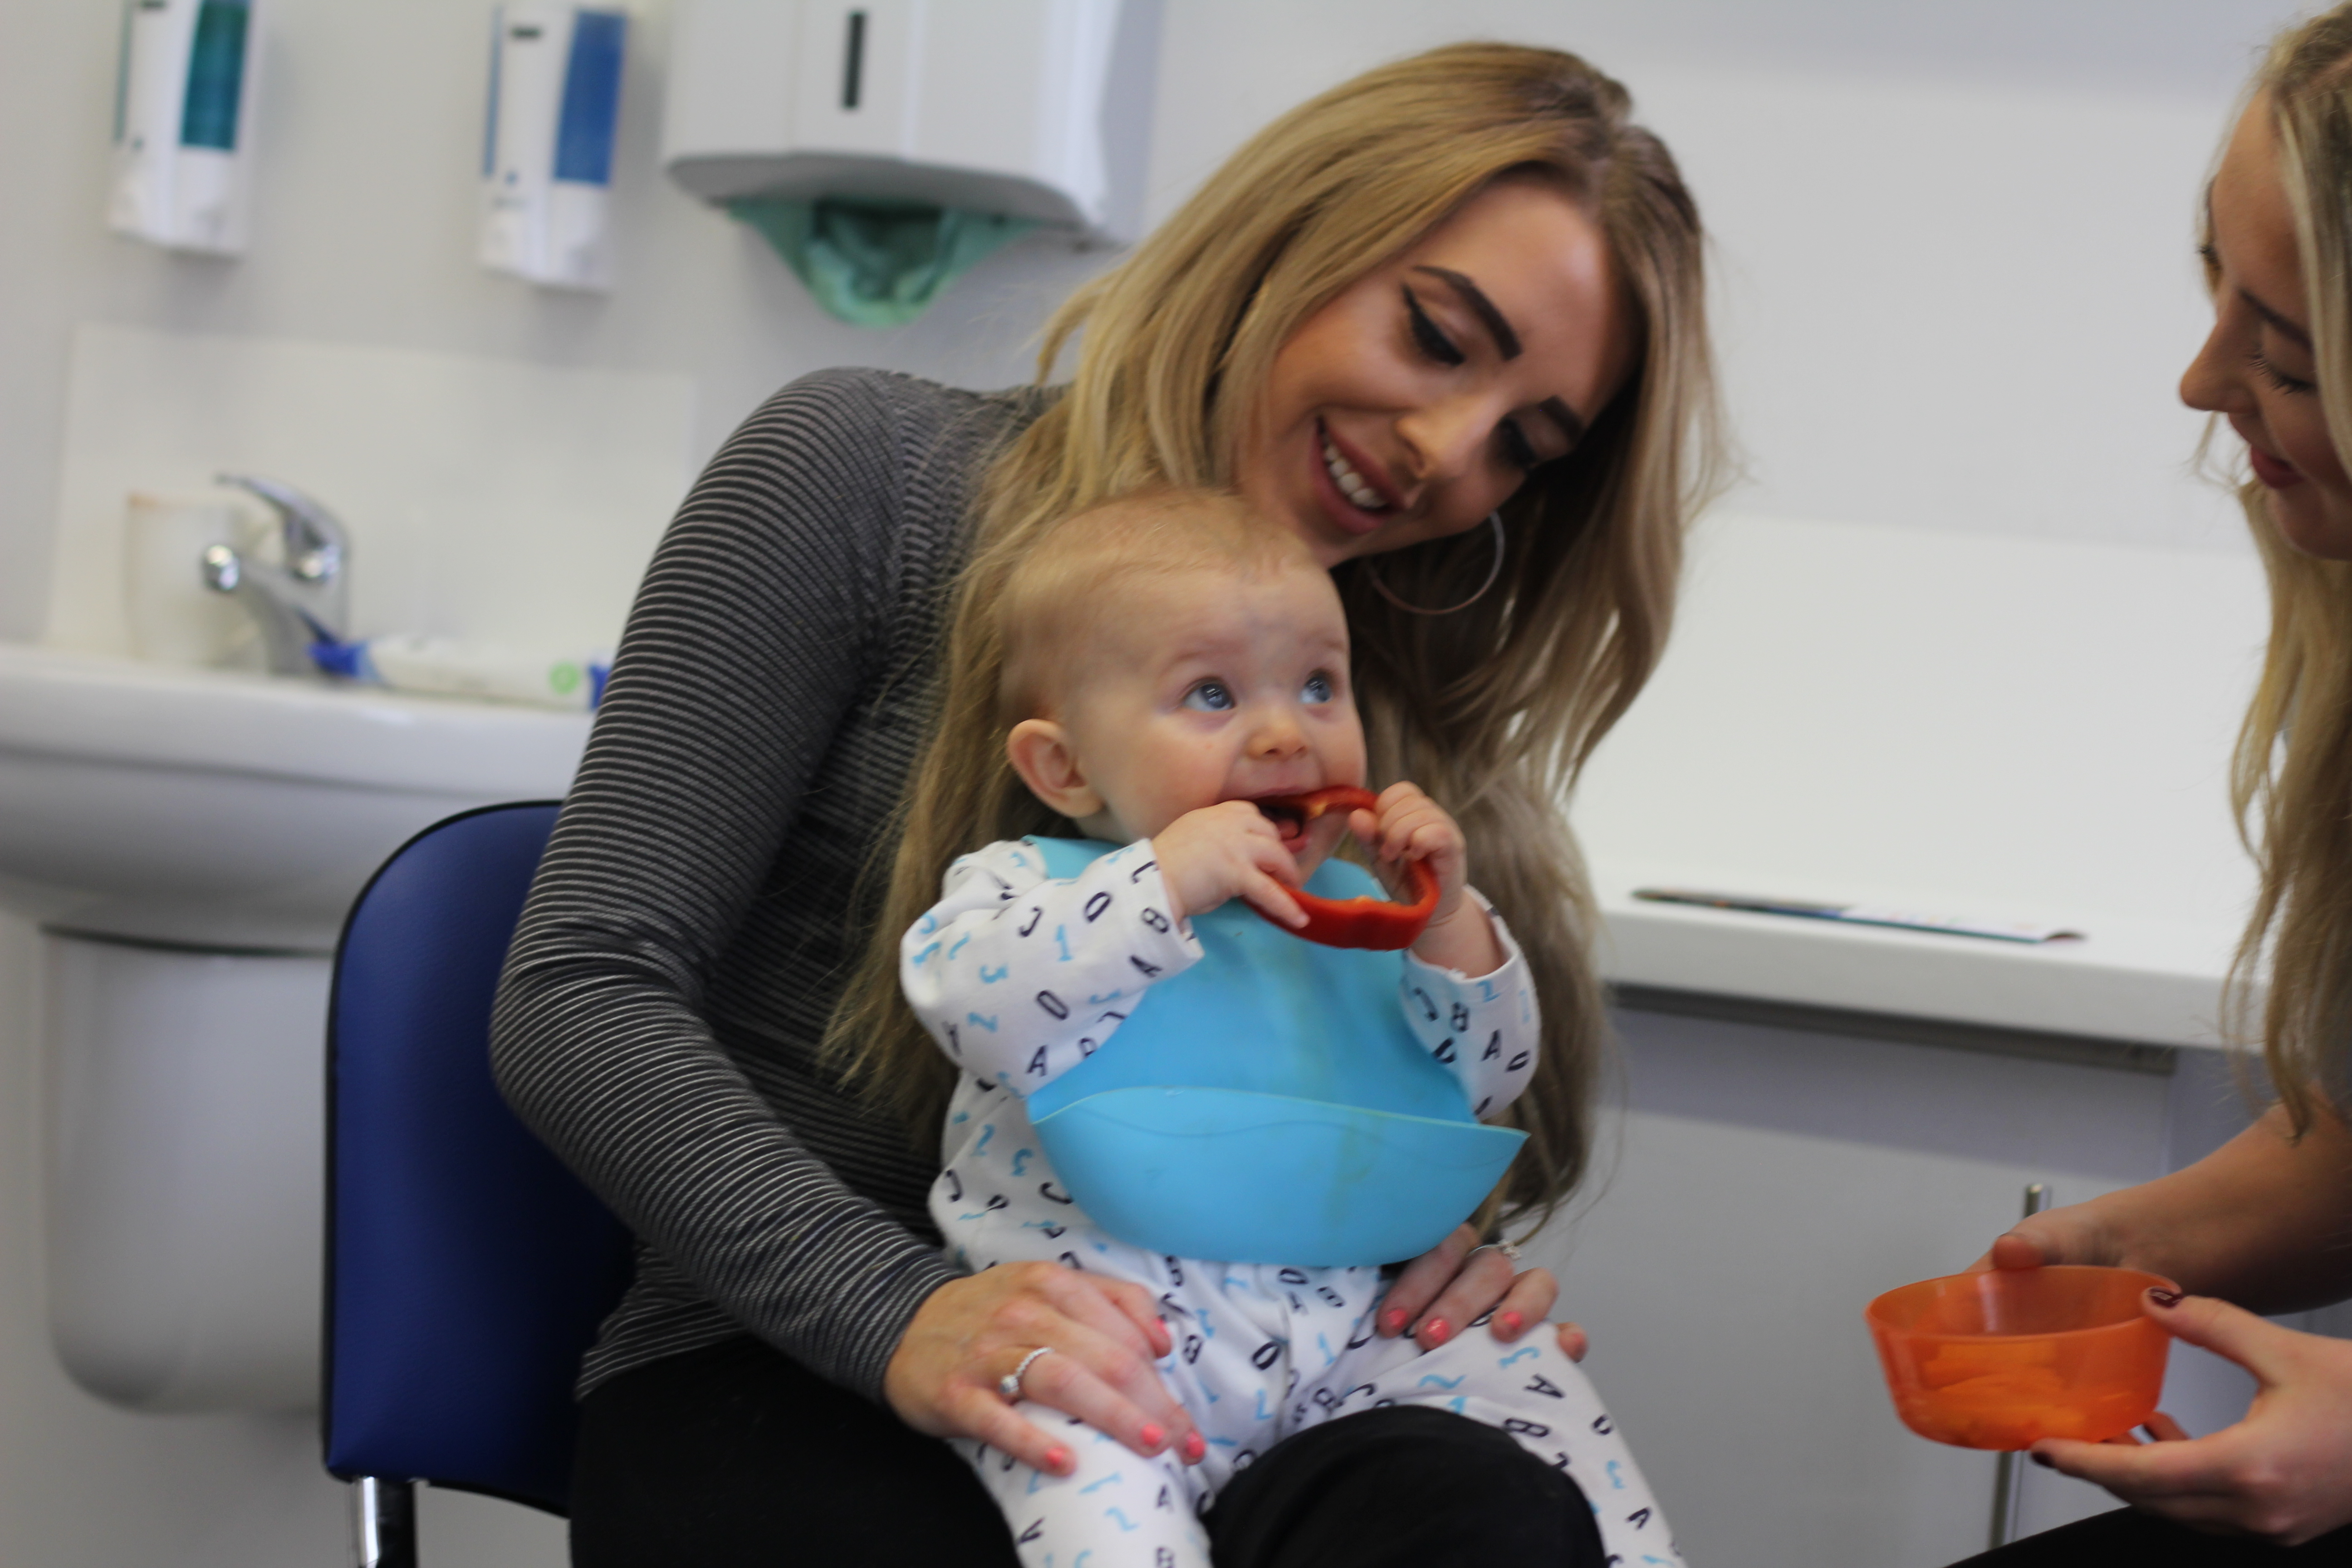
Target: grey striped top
pixel 691 924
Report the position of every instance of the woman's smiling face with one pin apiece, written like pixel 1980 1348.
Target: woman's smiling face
pixel 1419 398
pixel 2256 369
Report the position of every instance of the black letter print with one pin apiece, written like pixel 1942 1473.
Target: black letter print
pixel 1095 906
pixel 1150 970
pixel 1053 1004
pixel 1518 1063
pixel 1045 1190
pixel 1428 1007
pixel 1601 1425
pixel 1155 920
pixel 1444 1051
pixel 1265 1355
pixel 1546 1387
pixel 1494 1047
pixel 954 1044
pixel 1459 1019
pixel 1293 1277
pixel 1037 1062
pixel 955 1184
pixel 1526 1428
pixel 1035 914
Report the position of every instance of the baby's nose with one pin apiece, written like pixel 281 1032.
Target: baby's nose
pixel 1278 734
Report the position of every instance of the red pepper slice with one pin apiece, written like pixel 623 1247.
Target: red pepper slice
pixel 1368 922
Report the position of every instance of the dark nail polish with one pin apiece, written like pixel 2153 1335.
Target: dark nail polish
pixel 2042 1460
pixel 2162 1297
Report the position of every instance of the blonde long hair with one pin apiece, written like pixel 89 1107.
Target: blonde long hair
pixel 2291 782
pixel 1494 710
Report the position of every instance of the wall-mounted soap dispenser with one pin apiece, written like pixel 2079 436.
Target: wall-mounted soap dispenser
pixel 547 156
pixel 1018 112
pixel 183 123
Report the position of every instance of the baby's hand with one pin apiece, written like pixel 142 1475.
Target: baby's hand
pixel 1231 850
pixel 1409 826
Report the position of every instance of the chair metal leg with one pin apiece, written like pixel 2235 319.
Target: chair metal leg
pixel 384 1524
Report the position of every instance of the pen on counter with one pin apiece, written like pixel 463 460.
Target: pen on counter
pixel 1862 915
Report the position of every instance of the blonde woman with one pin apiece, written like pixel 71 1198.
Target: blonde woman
pixel 2264 1224
pixel 1445 323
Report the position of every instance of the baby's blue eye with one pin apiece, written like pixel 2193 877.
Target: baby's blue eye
pixel 1318 689
pixel 1209 697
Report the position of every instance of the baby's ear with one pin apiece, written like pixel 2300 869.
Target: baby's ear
pixel 1040 751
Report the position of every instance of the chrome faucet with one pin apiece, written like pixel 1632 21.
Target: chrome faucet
pixel 305 601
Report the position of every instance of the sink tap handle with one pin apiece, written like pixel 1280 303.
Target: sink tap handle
pixel 316 540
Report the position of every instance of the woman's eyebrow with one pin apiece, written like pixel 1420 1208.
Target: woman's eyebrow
pixel 1565 418
pixel 2278 323
pixel 1506 342
pixel 2212 255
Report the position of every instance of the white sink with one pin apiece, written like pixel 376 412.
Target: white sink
pixel 233 811
pixel 190 840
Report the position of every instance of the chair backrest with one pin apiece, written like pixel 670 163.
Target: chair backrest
pixel 466 1270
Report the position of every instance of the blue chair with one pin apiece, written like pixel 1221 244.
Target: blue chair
pixel 466 1270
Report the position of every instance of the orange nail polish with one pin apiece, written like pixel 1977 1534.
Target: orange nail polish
pixel 1394 1319
pixel 1058 1460
pixel 1151 1435
pixel 1510 1323
pixel 1436 1331
pixel 1195 1446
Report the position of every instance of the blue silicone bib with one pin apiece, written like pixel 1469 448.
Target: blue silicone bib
pixel 1268 1105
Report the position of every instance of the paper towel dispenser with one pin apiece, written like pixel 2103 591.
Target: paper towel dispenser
pixel 1038 109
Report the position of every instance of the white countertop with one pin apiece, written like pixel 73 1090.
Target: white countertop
pixel 1968 725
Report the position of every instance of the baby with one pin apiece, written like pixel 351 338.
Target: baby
pixel 1171 659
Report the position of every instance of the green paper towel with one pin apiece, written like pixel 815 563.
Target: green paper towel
pixel 876 264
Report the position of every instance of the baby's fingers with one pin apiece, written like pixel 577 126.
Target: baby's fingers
pixel 1272 900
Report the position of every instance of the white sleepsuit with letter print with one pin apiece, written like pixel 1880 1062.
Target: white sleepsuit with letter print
pixel 1019 978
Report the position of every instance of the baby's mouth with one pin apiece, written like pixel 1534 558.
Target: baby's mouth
pixel 1288 820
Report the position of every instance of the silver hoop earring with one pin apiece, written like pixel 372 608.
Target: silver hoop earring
pixel 1495 522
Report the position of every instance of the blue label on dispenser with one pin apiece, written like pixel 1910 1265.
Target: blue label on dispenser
pixel 498 55
pixel 216 75
pixel 592 98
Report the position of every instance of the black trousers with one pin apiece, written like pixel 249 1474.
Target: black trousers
pixel 2145 1541
pixel 734 1456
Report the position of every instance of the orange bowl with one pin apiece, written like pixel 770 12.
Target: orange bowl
pixel 2006 1357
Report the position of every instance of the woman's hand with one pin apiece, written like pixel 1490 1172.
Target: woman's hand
pixel 2283 1475
pixel 1458 1281
pixel 1409 826
pixel 2075 1234
pixel 1105 1335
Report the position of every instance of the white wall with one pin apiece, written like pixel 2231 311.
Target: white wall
pixel 1953 243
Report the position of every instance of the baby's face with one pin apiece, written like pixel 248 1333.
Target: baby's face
pixel 1207 686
